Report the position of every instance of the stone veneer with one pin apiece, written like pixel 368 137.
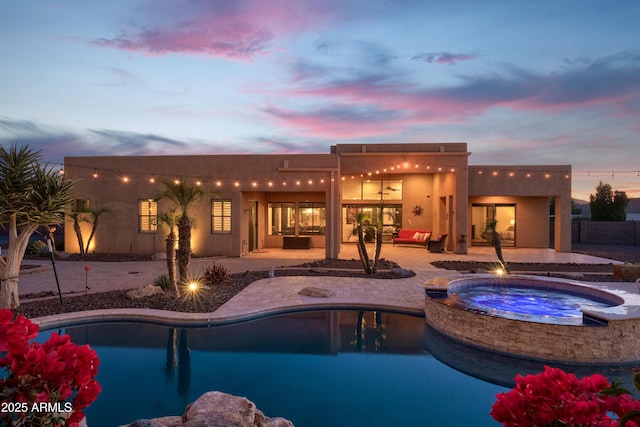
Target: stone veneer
pixel 615 342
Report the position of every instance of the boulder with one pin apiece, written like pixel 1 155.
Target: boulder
pixel 217 409
pixel 145 291
pixel 160 256
pixel 316 292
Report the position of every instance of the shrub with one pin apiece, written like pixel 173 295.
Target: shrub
pixel 37 247
pixel 37 376
pixel 164 282
pixel 216 274
pixel 556 398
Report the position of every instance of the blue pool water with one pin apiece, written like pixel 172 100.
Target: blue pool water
pixel 527 303
pixel 330 368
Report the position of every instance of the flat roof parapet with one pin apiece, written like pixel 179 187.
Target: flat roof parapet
pixel 435 147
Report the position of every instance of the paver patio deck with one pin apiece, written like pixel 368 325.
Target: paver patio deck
pixel 278 294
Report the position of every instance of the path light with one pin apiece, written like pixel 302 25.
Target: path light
pixel 499 272
pixel 193 287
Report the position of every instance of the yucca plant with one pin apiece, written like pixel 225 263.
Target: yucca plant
pixel 216 274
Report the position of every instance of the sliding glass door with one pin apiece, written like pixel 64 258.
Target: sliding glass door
pixel 504 216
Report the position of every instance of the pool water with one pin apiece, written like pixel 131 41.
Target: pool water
pixel 528 303
pixel 328 368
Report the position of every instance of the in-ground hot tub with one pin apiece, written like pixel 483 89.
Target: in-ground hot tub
pixel 535 317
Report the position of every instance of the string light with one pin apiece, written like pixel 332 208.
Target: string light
pixel 127 177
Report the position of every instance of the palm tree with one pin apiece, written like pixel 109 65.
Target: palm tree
pixel 94 214
pixel 170 219
pixel 362 227
pixel 77 217
pixel 184 196
pixel 31 194
pixel 90 216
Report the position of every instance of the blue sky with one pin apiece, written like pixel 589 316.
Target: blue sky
pixel 522 82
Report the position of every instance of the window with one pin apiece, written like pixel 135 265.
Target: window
pixel 81 205
pixel 147 216
pixel 503 216
pixel 221 216
pixel 372 189
pixel 313 219
pixel 391 218
pixel 282 219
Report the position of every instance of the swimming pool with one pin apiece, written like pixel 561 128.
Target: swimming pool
pixel 328 368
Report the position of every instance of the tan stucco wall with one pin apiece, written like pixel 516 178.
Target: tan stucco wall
pixel 118 230
pixel 435 176
pixel 533 186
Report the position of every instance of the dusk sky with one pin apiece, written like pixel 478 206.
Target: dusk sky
pixel 521 82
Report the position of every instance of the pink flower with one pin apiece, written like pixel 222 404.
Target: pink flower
pixel 555 398
pixel 50 372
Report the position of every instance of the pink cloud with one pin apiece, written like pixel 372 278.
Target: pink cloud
pixel 376 105
pixel 233 30
pixel 234 41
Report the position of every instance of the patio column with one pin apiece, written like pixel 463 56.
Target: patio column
pixel 562 239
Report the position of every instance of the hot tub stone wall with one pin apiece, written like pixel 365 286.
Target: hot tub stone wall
pixel 617 342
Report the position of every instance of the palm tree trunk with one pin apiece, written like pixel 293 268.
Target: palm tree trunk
pixel 76 227
pixel 184 247
pixel 362 251
pixel 93 231
pixel 171 260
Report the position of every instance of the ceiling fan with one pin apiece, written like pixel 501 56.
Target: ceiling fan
pixel 388 188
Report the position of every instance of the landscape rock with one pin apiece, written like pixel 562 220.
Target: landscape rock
pixel 316 292
pixel 160 256
pixel 402 272
pixel 217 409
pixel 145 291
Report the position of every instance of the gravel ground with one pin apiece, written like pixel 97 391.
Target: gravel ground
pixel 209 297
pixel 625 253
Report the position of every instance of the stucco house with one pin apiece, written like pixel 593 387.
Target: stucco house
pixel 310 200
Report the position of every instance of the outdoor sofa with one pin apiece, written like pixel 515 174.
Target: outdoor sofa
pixel 407 236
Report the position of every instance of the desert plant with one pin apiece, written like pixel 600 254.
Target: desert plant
pixel 164 282
pixel 184 196
pixel 216 274
pixel 497 244
pixel 170 219
pixel 33 194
